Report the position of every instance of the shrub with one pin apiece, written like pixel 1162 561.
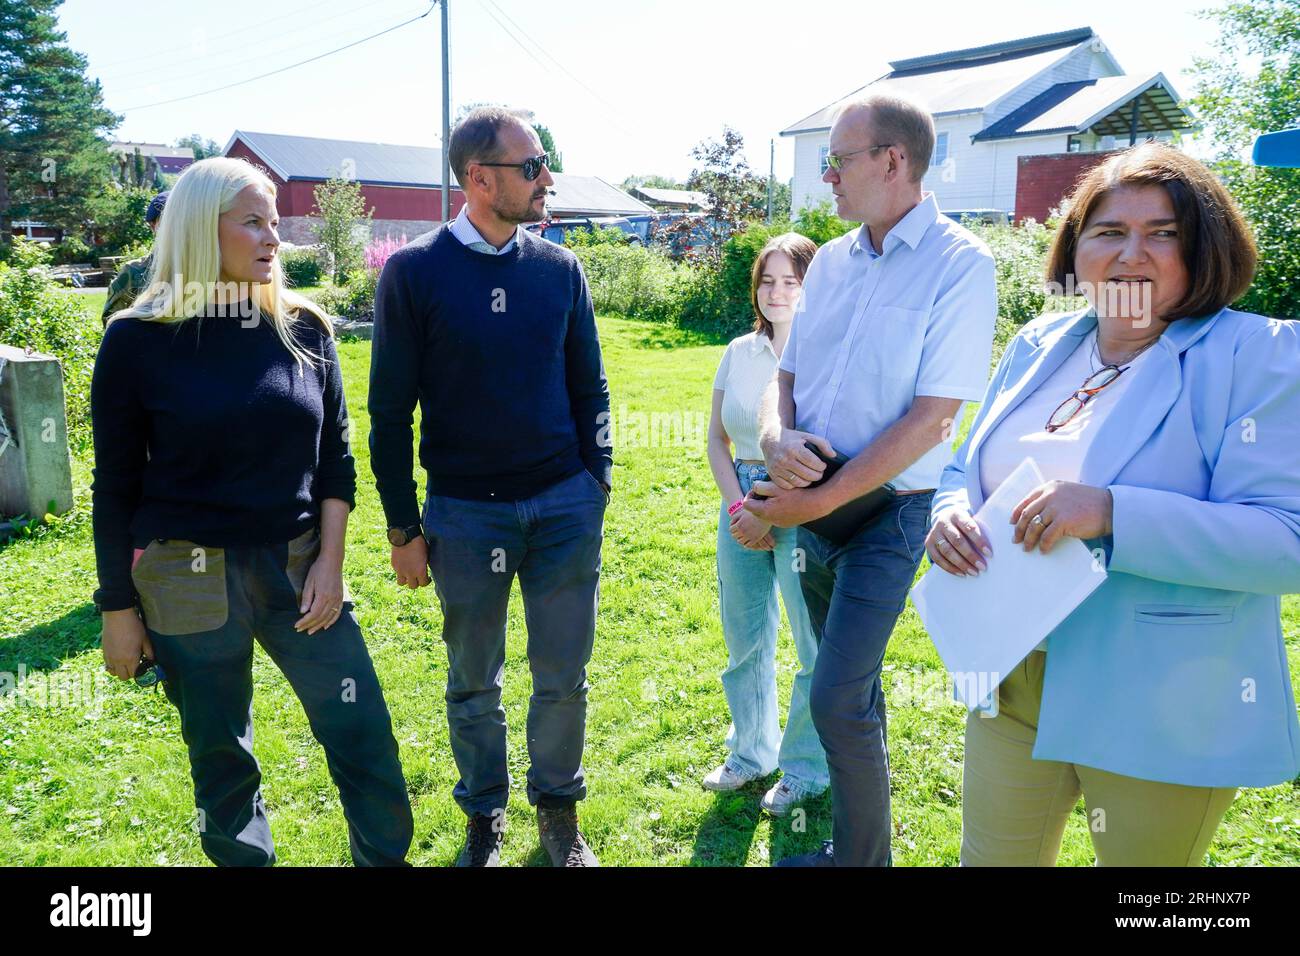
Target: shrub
pixel 1020 253
pixel 725 308
pixel 355 300
pixel 301 266
pixel 70 250
pixel 601 235
pixel 137 250
pixel 119 218
pixel 630 280
pixel 820 224
pixel 378 251
pixel 35 314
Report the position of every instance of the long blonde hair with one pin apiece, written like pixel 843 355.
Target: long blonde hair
pixel 186 263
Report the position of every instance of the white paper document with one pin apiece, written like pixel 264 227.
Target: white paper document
pixel 984 626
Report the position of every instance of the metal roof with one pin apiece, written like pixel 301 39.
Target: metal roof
pixel 1102 105
pixel 1035 44
pixel 591 196
pixel 153 149
pixel 685 197
pixel 381 164
pixel 960 81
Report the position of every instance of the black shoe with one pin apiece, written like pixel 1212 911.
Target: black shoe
pixel 823 857
pixel 483 837
pixel 564 844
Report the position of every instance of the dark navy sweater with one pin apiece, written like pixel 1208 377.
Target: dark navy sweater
pixel 502 355
pixel 205 430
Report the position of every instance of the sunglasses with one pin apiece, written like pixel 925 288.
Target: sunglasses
pixel 836 160
pixel 149 673
pixel 1094 383
pixel 532 166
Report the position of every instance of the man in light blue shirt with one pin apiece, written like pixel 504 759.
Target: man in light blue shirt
pixel 894 334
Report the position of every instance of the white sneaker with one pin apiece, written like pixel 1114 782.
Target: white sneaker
pixel 782 797
pixel 727 777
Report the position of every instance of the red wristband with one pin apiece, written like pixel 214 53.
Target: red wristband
pixel 735 506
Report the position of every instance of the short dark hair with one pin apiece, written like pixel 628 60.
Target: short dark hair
pixel 1218 249
pixel 799 248
pixel 474 140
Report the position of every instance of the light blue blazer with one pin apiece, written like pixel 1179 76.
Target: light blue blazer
pixel 1175 669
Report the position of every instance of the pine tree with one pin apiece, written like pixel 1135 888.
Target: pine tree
pixel 53 160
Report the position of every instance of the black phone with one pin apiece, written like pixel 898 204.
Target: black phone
pixel 832 465
pixel 848 519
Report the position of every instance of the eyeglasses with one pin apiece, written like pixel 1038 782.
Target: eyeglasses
pixel 1094 383
pixel 531 167
pixel 836 160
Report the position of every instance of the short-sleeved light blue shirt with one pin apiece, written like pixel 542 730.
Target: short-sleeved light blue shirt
pixel 875 330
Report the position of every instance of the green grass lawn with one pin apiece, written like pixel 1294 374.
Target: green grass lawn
pixel 109 783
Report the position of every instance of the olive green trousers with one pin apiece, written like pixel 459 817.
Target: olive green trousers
pixel 1014 808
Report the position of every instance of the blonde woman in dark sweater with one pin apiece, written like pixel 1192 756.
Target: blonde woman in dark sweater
pixel 222 486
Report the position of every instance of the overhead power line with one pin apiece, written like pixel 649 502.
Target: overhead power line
pixel 164 72
pixel 613 111
pixel 283 69
pixel 257 28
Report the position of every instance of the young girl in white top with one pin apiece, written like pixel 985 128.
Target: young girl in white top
pixel 756 559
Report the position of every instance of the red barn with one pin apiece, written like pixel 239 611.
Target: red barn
pixel 401 183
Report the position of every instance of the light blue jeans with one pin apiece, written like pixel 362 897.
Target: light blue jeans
pixel 748 581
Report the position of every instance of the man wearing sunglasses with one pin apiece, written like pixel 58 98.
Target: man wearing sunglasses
pixel 490 328
pixel 894 333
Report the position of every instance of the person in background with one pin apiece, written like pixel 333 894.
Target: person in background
pixel 754 558
pixel 222 485
pixel 1167 426
pixel 134 275
pixel 505 364
pixel 894 335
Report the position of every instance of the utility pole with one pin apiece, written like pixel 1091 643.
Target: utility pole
pixel 771 177
pixel 446 117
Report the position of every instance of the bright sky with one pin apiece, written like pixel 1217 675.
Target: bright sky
pixel 626 86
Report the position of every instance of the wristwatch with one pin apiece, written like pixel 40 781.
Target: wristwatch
pixel 400 537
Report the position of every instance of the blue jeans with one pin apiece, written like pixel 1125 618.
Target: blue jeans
pixel 855 593
pixel 552 541
pixel 747 587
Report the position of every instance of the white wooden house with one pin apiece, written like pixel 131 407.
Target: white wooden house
pixel 1008 117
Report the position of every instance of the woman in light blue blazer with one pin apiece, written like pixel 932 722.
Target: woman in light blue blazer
pixel 1168 427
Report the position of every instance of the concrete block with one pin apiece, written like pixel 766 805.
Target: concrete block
pixel 35 467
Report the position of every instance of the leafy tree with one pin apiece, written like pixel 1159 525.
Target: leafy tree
pixel 548 146
pixel 52 156
pixel 344 226
pixel 736 195
pixel 1237 105
pixel 119 218
pixel 203 148
pixel 36 313
pixel 781 200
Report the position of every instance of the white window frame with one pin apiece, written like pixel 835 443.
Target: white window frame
pixel 940 149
